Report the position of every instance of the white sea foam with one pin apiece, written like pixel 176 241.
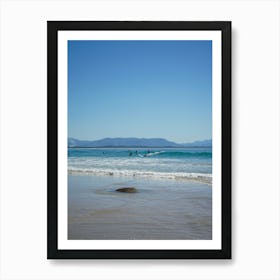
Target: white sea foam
pixel 201 177
pixel 153 154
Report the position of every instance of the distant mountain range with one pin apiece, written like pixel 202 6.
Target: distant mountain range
pixel 134 142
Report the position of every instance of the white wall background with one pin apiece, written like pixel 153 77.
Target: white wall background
pixel 255 150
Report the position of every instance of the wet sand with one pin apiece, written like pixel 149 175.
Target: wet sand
pixel 159 210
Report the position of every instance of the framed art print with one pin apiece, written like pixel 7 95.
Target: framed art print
pixel 139 140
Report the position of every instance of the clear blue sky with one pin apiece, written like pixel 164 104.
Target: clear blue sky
pixel 146 89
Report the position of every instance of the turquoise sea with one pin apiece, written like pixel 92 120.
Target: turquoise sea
pixel 168 163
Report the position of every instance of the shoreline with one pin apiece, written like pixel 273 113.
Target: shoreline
pixel 193 177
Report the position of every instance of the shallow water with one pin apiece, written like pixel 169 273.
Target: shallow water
pixel 161 209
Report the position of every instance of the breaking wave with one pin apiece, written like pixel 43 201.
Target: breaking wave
pixel 201 177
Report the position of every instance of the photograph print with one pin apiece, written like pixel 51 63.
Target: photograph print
pixel 140 142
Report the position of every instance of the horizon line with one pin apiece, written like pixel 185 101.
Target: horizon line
pixel 190 141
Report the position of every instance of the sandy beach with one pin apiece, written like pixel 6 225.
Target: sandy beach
pixel 161 209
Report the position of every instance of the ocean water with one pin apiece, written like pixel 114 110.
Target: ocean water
pixel 173 198
pixel 193 164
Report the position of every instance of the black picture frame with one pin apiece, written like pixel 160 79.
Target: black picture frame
pixel 53 27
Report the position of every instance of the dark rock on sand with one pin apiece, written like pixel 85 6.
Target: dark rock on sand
pixel 127 190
